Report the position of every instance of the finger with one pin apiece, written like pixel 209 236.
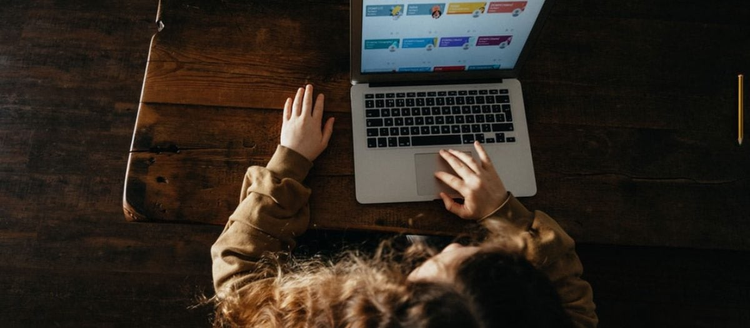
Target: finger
pixel 466 158
pixel 297 106
pixel 457 165
pixel 451 180
pixel 327 131
pixel 319 107
pixel 486 161
pixel 307 100
pixel 452 206
pixel 287 108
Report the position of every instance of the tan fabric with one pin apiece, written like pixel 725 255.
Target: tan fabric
pixel 273 211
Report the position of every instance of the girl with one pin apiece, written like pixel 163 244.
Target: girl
pixel 523 273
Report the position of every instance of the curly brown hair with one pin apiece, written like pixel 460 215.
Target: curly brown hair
pixel 369 291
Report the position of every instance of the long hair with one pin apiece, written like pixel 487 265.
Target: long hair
pixel 356 290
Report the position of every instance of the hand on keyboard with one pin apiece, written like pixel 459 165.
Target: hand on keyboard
pixel 478 183
pixel 301 130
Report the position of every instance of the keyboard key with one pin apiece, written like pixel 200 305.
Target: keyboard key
pixel 372 113
pixel 462 93
pixel 419 120
pixel 396 112
pixel 421 94
pixel 479 118
pixel 425 111
pixel 446 110
pixel 508 115
pixel 372 142
pixel 384 132
pixel 399 121
pixel 452 93
pixel 432 94
pixel 382 142
pixel 502 99
pixel 476 128
pixel 442 93
pixel 429 120
pixel 394 131
pixel 392 141
pixel 460 119
pixel 466 109
pixel 436 140
pixel 469 118
pixel 435 129
pixel 424 130
pixel 410 102
pixel 502 127
pixel 372 132
pixel 465 129
pixel 380 95
pixel 420 101
pixel 439 120
pixel 390 103
pixel 455 129
pixel 486 128
pixel 440 101
pixel 480 100
pixel 479 137
pixel 468 138
pixel 415 111
pixel 411 94
pixel 373 122
pixel 404 141
pixel 503 91
pixel 500 137
pixel 500 118
pixel 414 130
pixel 473 92
pixel 476 109
pixel 435 110
pixel 490 99
pixel 450 120
pixel 445 129
pixel 470 100
pixel 404 131
pixel 400 102
pixel 490 140
pixel 388 122
pixel 400 95
pixel 390 95
pixel 450 101
pixel 430 101
pixel 493 92
pixel 486 109
pixel 385 112
pixel 369 104
pixel 489 118
pixel 409 121
pixel 482 92
pixel 510 139
pixel 496 109
pixel 460 100
pixel 379 103
pixel 369 96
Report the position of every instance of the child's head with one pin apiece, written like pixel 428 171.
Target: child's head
pixel 488 288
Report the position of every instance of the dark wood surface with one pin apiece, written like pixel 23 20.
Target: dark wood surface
pixel 70 77
pixel 631 110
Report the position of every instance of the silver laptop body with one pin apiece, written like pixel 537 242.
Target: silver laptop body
pixel 406 51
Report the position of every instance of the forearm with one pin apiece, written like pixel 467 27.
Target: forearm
pixel 551 250
pixel 273 211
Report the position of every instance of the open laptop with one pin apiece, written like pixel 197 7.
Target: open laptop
pixel 435 75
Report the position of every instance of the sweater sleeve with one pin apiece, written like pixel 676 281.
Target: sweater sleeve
pixel 273 210
pixel 548 248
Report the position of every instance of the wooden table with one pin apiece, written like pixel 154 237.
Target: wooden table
pixel 631 108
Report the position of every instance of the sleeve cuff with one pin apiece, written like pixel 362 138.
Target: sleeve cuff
pixel 287 163
pixel 512 211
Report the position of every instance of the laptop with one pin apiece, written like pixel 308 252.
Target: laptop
pixel 435 75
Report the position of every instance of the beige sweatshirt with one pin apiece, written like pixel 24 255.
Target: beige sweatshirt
pixel 273 210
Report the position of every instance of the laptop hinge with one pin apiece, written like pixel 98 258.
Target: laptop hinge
pixel 440 82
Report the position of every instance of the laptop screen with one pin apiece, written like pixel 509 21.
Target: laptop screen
pixel 422 37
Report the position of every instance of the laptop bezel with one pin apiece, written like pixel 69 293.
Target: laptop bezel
pixel 355 59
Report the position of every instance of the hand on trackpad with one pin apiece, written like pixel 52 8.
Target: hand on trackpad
pixel 426 165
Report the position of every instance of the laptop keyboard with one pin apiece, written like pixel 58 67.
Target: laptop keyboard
pixel 433 118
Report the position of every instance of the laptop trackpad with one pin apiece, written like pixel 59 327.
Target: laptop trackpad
pixel 426 166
